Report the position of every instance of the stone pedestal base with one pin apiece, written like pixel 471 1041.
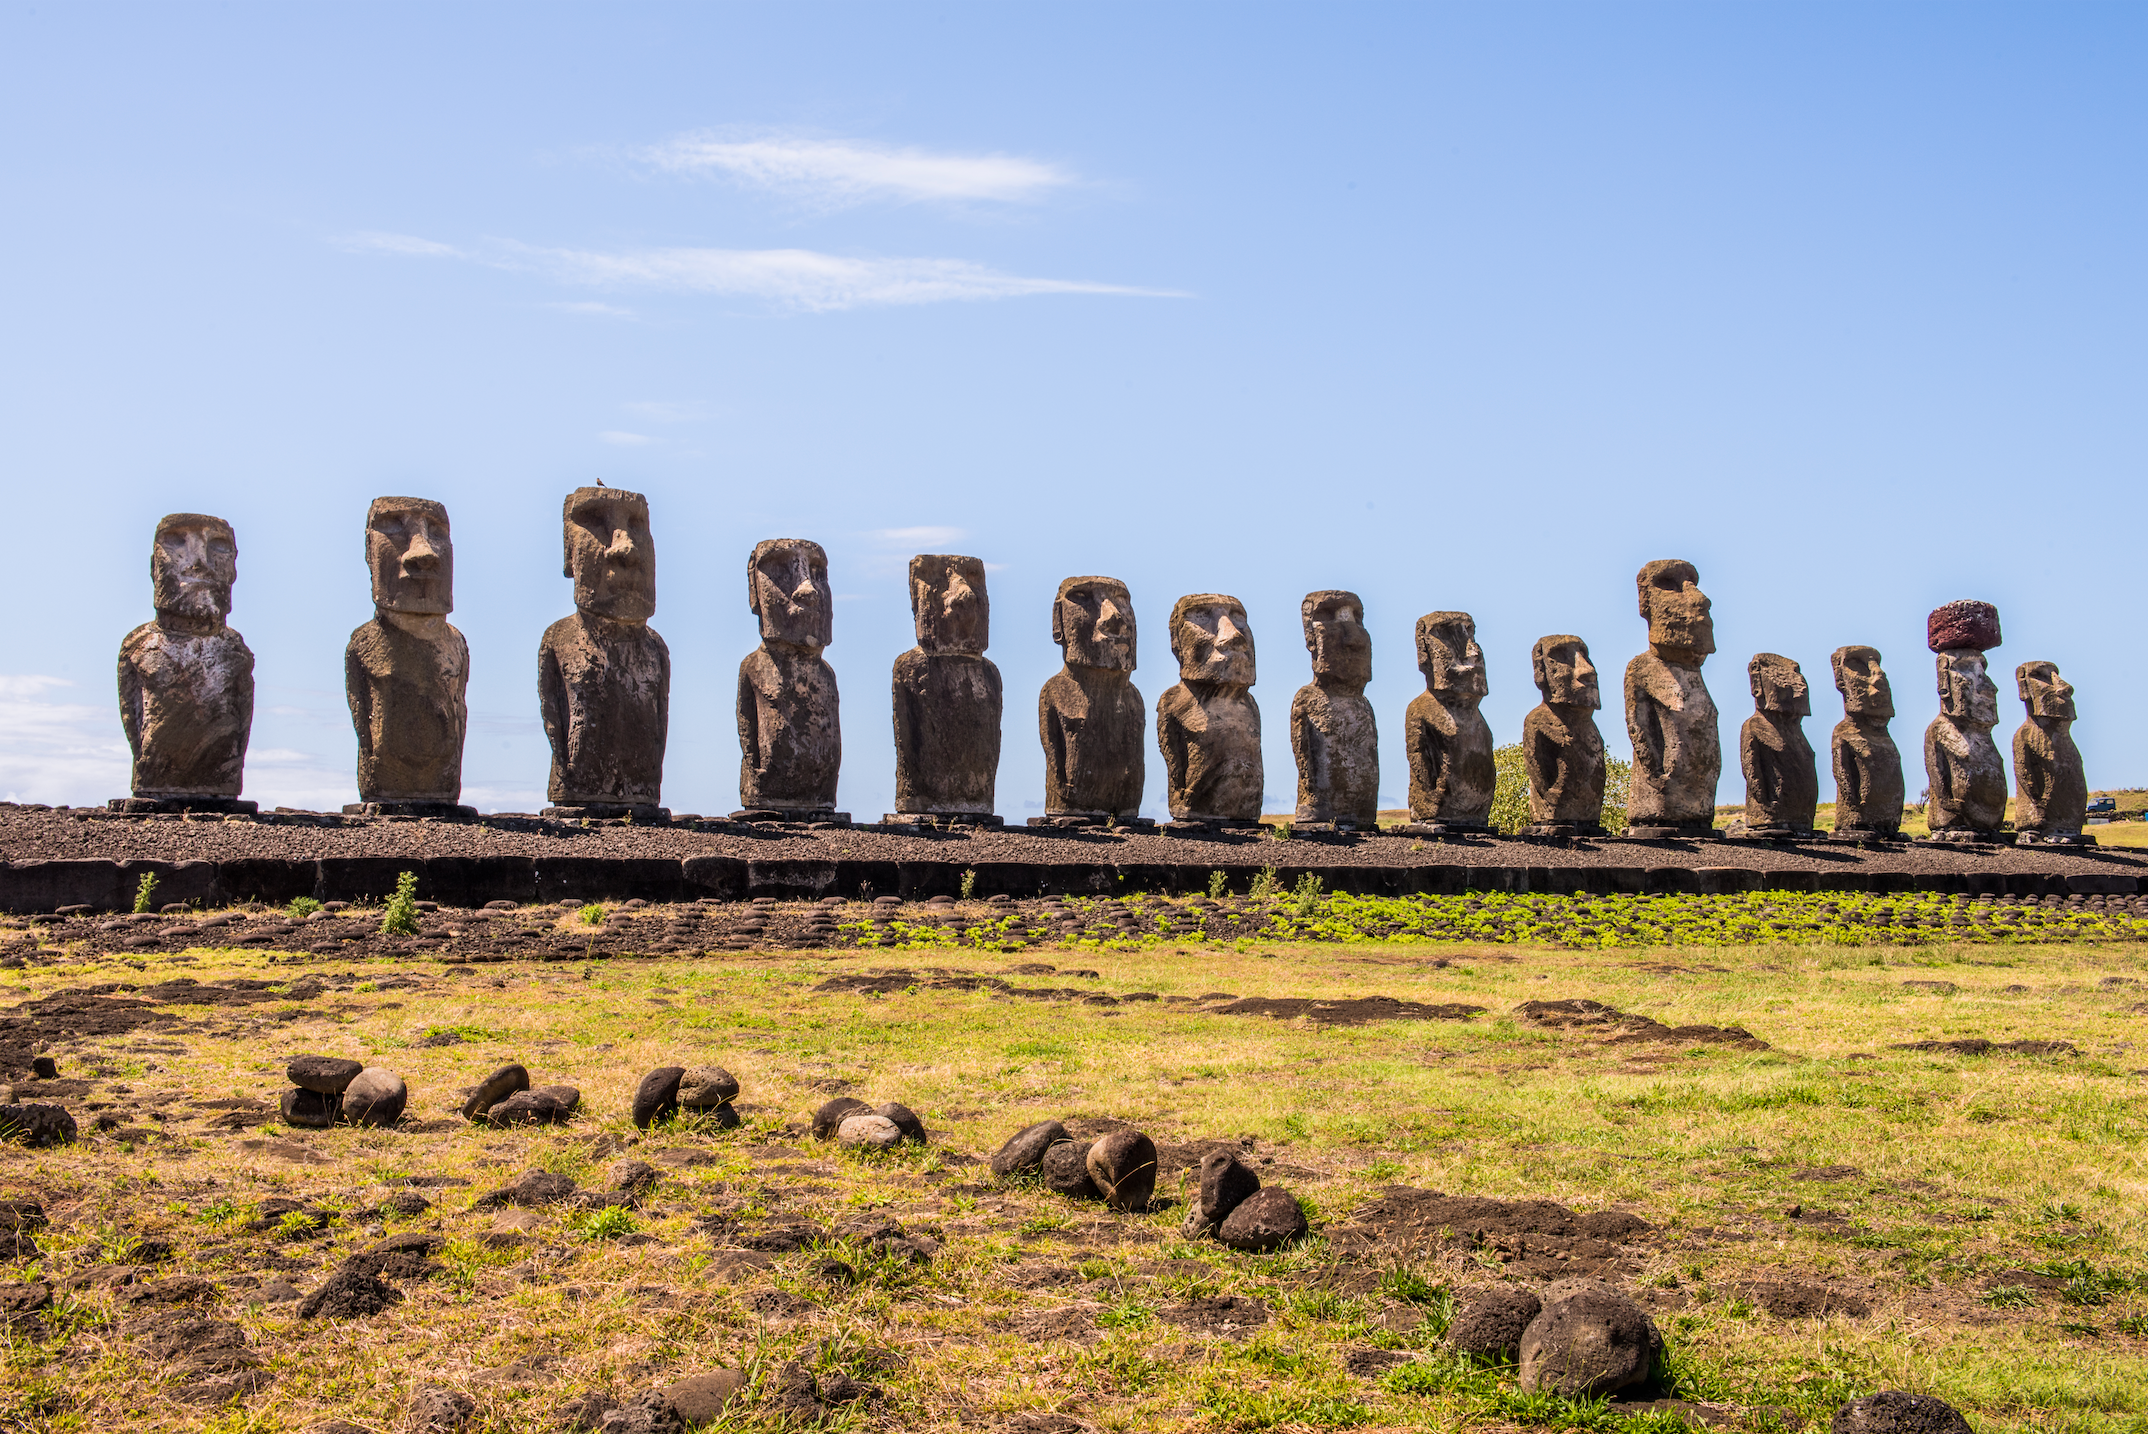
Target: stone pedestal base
pixel 1963 837
pixel 818 816
pixel 2053 839
pixel 608 811
pixel 1209 829
pixel 1328 828
pixel 1562 831
pixel 942 819
pixel 1771 834
pixel 1442 829
pixel 431 811
pixel 1692 831
pixel 1083 821
pixel 150 806
pixel 1866 836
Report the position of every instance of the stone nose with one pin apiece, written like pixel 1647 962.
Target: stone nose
pixel 1229 635
pixel 420 556
pixel 805 594
pixel 623 548
pixel 1109 620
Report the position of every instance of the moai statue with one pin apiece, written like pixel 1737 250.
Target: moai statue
pixel 1090 715
pixel 604 675
pixel 1561 748
pixel 1782 778
pixel 1967 800
pixel 186 681
pixel 789 735
pixel 1332 730
pixel 1868 766
pixel 1450 747
pixel 1677 752
pixel 1208 725
pixel 405 672
pixel 2050 785
pixel 947 697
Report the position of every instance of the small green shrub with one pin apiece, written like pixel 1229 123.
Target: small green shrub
pixel 609 1223
pixel 969 885
pixel 400 916
pixel 592 914
pixel 1266 884
pixel 301 907
pixel 144 892
pixel 1216 883
pixel 1306 894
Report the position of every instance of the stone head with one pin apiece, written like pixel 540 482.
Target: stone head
pixel 1335 635
pixel 1779 685
pixel 1212 639
pixel 1966 692
pixel 412 556
pixel 2046 693
pixel 1448 656
pixel 787 588
pixel 609 553
pixel 1560 664
pixel 192 565
pixel 1093 620
pixel 948 601
pixel 1679 626
pixel 1863 683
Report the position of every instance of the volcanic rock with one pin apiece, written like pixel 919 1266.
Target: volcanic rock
pixel 325 1074
pixel 1265 1220
pixel 1024 1150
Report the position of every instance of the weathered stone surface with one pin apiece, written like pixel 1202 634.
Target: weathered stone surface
pixel 947 693
pixel 706 1086
pixel 1122 1166
pixel 1090 716
pixel 1448 741
pixel 604 675
pixel 546 1105
pixel 1893 1412
pixel 1782 777
pixel 868 1130
pixel 36 1126
pixel 1024 1150
pixel 790 734
pixel 1065 1169
pixel 1267 1219
pixel 1966 623
pixel 326 1074
pixel 1208 725
pixel 309 1109
pixel 1589 1341
pixel 1224 1184
pixel 186 681
pixel 1492 1323
pixel 349 1293
pixel 699 1398
pixel 2050 784
pixel 658 1095
pixel 1677 750
pixel 1333 733
pixel 436 1409
pixel 1869 788
pixel 375 1097
pixel 906 1120
pixel 1562 751
pixel 495 1088
pixel 406 671
pixel 834 1113
pixel 1962 765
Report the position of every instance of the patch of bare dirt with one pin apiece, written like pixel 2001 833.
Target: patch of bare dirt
pixel 1534 1239
pixel 1622 1027
pixel 1359 1011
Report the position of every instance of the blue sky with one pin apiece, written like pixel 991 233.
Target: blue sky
pixel 1473 307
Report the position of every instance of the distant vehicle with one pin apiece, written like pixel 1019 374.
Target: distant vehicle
pixel 2102 806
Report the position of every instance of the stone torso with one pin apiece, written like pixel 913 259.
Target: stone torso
pixel 1564 755
pixel 1090 720
pixel 406 699
pixel 790 733
pixel 187 703
pixel 1677 750
pixel 1967 777
pixel 605 691
pixel 1450 749
pixel 947 711
pixel 2051 784
pixel 1782 780
pixel 1210 738
pixel 1337 743
pixel 1869 787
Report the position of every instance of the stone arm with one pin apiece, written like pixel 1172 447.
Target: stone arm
pixel 1763 783
pixel 358 690
pixel 749 716
pixel 552 699
pixel 130 698
pixel 1171 740
pixel 1939 767
pixel 1541 758
pixel 1307 744
pixel 2036 781
pixel 1644 725
pixel 663 706
pixel 1058 742
pixel 908 718
pixel 1850 783
pixel 1429 765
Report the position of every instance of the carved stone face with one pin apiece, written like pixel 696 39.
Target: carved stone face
pixel 1564 673
pixel 787 587
pixel 1966 691
pixel 948 601
pixel 1335 635
pixel 412 557
pixel 2046 693
pixel 1779 685
pixel 1093 620
pixel 192 566
pixel 1677 610
pixel 1863 683
pixel 610 555
pixel 1212 640
pixel 1448 656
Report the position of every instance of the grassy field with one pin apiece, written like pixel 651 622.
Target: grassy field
pixel 1988 1214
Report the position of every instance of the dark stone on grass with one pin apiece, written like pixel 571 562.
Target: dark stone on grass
pixel 1491 1325
pixel 1226 1183
pixel 540 1187
pixel 438 1410
pixel 1589 1341
pixel 349 1294
pixel 326 1074
pixel 657 1096
pixel 1122 1165
pixel 309 1108
pixel 831 1116
pixel 495 1088
pixel 1065 1169
pixel 546 1105
pixel 44 1068
pixel 375 1097
pixel 1893 1412
pixel 1265 1220
pixel 906 1120
pixel 633 1177
pixel 705 1087
pixel 1024 1150
pixel 37 1126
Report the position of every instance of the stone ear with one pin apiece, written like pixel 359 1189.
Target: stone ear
pixel 1059 628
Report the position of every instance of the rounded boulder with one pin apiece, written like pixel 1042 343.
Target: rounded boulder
pixel 1893 1412
pixel 1492 1323
pixel 706 1086
pixel 308 1109
pixel 327 1075
pixel 869 1131
pixel 834 1113
pixel 658 1095
pixel 1065 1169
pixel 1122 1166
pixel 1024 1151
pixel 493 1089
pixel 1587 1342
pixel 375 1097
pixel 1226 1183
pixel 1265 1220
pixel 906 1120
pixel 37 1126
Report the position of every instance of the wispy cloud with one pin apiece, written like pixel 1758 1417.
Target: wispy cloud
pixel 923 537
pixel 378 242
pixel 625 440
pixel 58 752
pixel 591 308
pixel 837 173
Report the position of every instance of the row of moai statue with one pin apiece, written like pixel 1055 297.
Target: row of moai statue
pixel 604 679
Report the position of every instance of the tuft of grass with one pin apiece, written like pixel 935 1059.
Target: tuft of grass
pixel 969 885
pixel 609 1223
pixel 1266 884
pixel 592 914
pixel 400 916
pixel 145 893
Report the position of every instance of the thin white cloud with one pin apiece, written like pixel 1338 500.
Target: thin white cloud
pixel 925 537
pixel 378 242
pixel 625 440
pixel 592 308
pixel 835 173
pixel 56 752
